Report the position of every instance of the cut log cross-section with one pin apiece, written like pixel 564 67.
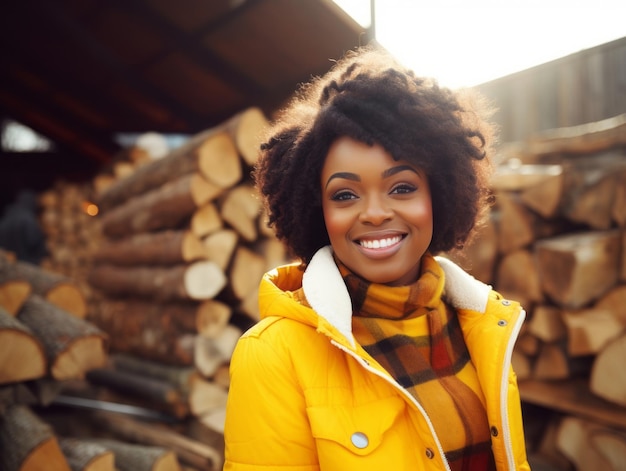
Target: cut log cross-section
pixel 608 375
pixel 22 355
pixel 54 287
pixel 575 269
pixel 73 346
pixel 13 292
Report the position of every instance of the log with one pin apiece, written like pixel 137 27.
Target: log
pixel 159 332
pixel 614 301
pixel 205 220
pixel 179 377
pixel 15 394
pixel 573 439
pixel 195 281
pixel 247 128
pixel 22 355
pixel 589 330
pixel 547 324
pixel 167 247
pixel 212 317
pixel 137 385
pixel 220 247
pixel 528 344
pixel 610 445
pixel 515 224
pixel 135 457
pixel 190 452
pixel 576 269
pixel 214 419
pixel 245 272
pixel 206 396
pixel 84 455
pixel 517 278
pixel 211 353
pixel 166 207
pixel 553 362
pixel 54 287
pixel 213 153
pixel 72 345
pixel 608 376
pixel 28 443
pixel 590 188
pixel 545 198
pixel 581 139
pixel 240 208
pixel 13 293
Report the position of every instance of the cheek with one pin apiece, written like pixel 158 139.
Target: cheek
pixel 335 223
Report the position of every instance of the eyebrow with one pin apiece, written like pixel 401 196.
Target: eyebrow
pixel 386 174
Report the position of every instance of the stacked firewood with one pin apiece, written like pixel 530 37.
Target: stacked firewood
pixel 44 341
pixel 175 277
pixel 556 242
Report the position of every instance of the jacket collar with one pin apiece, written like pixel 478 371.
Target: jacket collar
pixel 327 294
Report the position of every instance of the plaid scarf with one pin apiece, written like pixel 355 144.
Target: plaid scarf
pixel 417 338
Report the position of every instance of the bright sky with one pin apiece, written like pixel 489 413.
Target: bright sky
pixel 465 43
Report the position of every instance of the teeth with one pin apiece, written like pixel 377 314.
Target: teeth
pixel 381 243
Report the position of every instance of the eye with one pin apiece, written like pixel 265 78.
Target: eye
pixel 403 188
pixel 343 195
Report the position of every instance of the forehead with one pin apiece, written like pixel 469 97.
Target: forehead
pixel 349 155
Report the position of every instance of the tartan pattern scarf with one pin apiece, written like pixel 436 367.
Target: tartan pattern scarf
pixel 417 338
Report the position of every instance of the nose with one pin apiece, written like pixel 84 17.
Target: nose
pixel 375 211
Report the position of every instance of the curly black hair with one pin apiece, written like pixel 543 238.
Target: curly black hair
pixel 371 98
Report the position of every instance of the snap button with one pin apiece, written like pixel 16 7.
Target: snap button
pixel 430 454
pixel 502 322
pixel 494 431
pixel 359 440
pixel 506 302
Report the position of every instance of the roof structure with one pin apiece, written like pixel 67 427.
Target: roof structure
pixel 81 71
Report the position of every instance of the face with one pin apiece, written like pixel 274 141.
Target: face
pixel 378 212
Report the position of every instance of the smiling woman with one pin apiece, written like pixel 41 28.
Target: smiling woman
pixel 372 353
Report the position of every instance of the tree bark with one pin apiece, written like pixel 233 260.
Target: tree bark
pixel 167 247
pixel 196 281
pixel 166 207
pixel 162 333
pixel 28 443
pixel 73 346
pixel 85 455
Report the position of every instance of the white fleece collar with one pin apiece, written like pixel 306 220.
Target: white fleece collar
pixel 327 294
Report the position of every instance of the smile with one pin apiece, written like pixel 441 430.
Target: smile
pixel 380 243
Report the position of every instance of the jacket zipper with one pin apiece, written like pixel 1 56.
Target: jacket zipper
pixel 365 364
pixel 504 389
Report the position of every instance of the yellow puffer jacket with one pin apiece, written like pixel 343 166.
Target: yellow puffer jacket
pixel 305 396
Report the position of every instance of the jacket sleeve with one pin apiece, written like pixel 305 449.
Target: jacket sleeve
pixel 266 422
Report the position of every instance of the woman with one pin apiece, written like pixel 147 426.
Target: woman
pixel 371 353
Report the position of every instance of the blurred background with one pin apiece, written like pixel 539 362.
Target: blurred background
pixel 132 241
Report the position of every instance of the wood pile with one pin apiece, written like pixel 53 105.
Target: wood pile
pixel 167 252
pixel 556 241
pixel 174 278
